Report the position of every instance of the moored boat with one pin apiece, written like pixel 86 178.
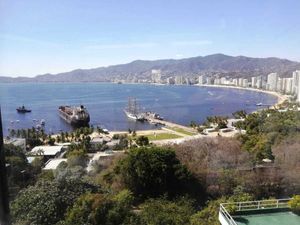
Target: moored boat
pixel 76 116
pixel 22 109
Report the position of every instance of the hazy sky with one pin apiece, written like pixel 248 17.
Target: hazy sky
pixel 50 36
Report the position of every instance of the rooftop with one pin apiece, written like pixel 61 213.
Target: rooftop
pixel 52 164
pixel 276 218
pixel 265 212
pixel 46 150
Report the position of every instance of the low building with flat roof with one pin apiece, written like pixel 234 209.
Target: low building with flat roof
pixel 52 164
pixel 47 152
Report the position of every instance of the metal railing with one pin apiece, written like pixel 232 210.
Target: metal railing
pixel 227 208
pixel 226 215
pixel 255 205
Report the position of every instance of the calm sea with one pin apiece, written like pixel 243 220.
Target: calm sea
pixel 105 103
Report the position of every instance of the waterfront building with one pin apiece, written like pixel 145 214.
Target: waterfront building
pixel 287 85
pixel 217 81
pixel 170 80
pixel 178 80
pixel 279 87
pixel 188 81
pixel 253 82
pixel 272 80
pixel 223 80
pixel 245 83
pixel 296 78
pixel 298 94
pixel 201 79
pixel 208 80
pixel 235 82
pixel 259 82
pixel 240 82
pixel 156 76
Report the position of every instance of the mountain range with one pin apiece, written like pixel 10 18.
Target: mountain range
pixel 232 66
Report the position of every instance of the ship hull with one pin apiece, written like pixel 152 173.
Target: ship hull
pixel 72 120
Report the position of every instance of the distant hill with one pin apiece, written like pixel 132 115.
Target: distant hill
pixel 218 63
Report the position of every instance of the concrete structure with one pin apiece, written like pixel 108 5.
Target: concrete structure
pixel 253 82
pixel 265 212
pixel 178 80
pixel 259 82
pixel 209 80
pixel 298 93
pixel 19 142
pixel 47 152
pixel 156 76
pixel 202 79
pixel 272 81
pixel 296 78
pixel 52 164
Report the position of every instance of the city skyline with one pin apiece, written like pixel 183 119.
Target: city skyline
pixel 38 37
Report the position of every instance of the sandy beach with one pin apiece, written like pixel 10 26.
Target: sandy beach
pixel 280 97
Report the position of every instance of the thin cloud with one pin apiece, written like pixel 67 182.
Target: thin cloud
pixel 122 46
pixel 18 38
pixel 191 43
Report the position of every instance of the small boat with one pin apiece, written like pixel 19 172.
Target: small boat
pixel 259 104
pixel 22 109
pixel 43 122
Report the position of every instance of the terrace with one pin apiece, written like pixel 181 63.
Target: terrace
pixel 275 212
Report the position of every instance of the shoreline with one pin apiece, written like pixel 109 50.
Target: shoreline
pixel 280 97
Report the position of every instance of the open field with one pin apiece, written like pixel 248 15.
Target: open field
pixel 162 136
pixel 181 130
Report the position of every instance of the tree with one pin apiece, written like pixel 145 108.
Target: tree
pixel 164 212
pixel 46 202
pixel 142 141
pixel 101 209
pixel 294 203
pixel 154 171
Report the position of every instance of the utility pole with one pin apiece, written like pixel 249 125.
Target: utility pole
pixel 4 198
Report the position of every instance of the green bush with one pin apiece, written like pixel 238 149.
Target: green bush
pixel 294 203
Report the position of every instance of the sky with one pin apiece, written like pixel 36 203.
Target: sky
pixel 42 36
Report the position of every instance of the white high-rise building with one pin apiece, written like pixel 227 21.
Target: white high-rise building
pixel 208 80
pixel 287 84
pixel 279 85
pixel 253 82
pixel 201 80
pixel 156 76
pixel 178 80
pixel 245 83
pixel 259 82
pixel 272 81
pixel 296 78
pixel 298 93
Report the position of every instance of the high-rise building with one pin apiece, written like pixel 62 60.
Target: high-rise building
pixel 259 82
pixel 296 78
pixel 201 80
pixel 279 85
pixel 178 80
pixel 287 85
pixel 245 83
pixel 156 76
pixel 253 82
pixel 272 81
pixel 208 80
pixel 298 93
pixel 170 80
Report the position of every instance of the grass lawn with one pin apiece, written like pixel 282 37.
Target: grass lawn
pixel 181 130
pixel 162 136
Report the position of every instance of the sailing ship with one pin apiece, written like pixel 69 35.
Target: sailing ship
pixel 132 110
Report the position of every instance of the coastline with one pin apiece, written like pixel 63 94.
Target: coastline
pixel 280 97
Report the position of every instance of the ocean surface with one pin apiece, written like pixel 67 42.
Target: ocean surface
pixel 106 101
